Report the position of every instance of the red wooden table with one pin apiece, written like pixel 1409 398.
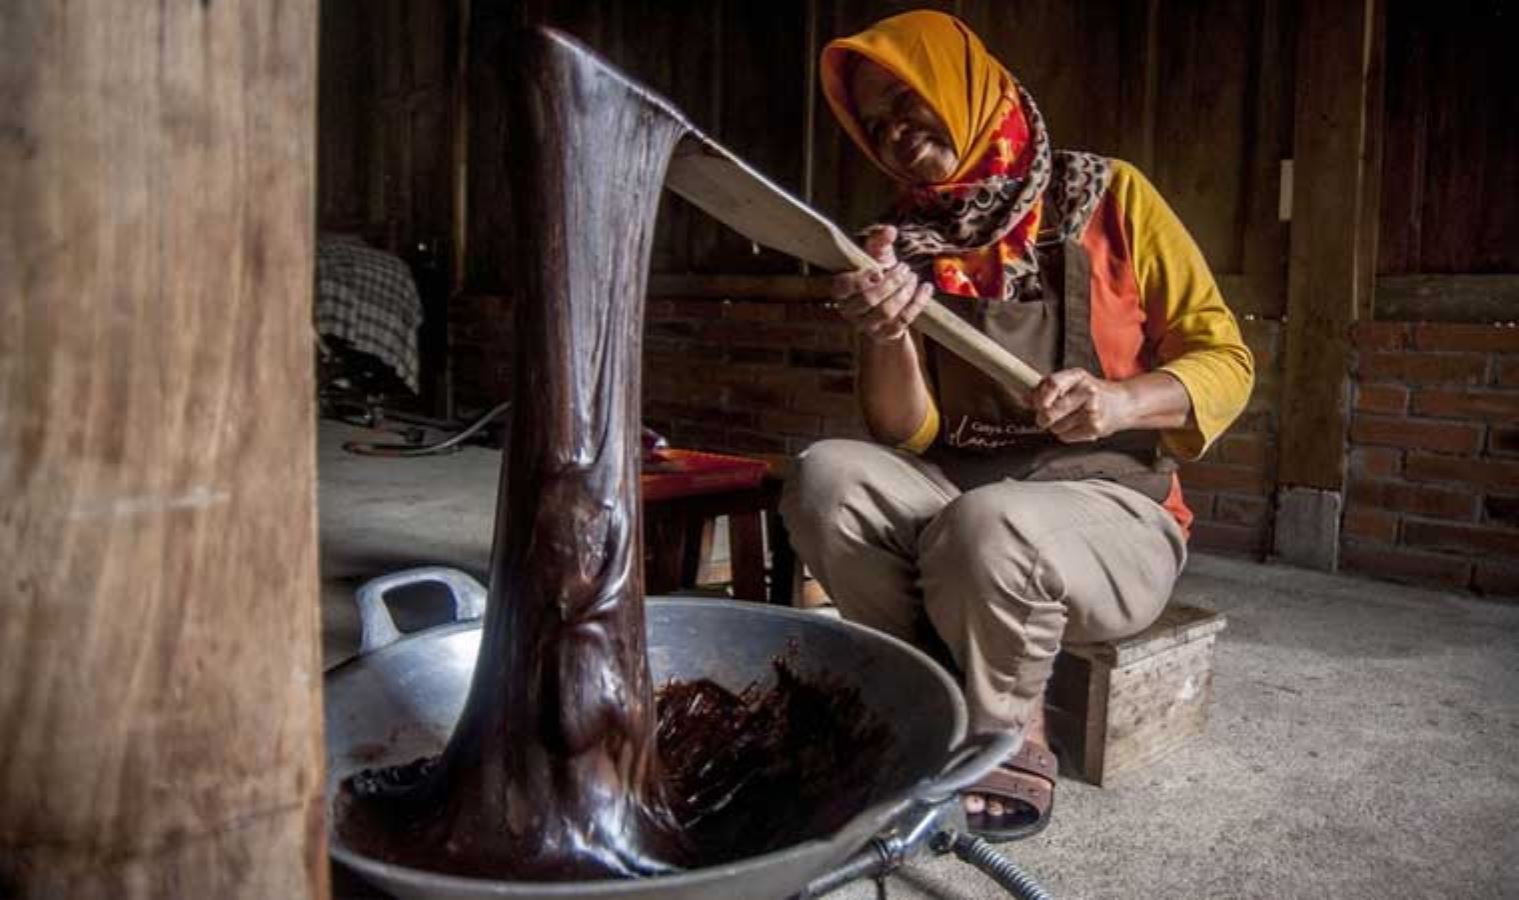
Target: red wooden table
pixel 675 521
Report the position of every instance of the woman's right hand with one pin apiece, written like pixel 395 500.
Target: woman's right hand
pixel 882 301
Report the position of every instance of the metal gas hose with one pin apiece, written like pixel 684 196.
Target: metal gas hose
pixel 885 855
pixel 992 863
pixel 446 445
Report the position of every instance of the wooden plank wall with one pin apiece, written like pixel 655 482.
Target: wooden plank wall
pixel 1451 135
pixel 1203 97
pixel 390 147
pixel 1223 126
pixel 734 69
pixel 350 177
pixel 1218 105
pixel 385 107
pixel 1448 241
pixel 1197 95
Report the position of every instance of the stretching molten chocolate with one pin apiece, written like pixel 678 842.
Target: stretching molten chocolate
pixel 552 772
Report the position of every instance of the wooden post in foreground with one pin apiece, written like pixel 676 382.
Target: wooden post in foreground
pixel 160 706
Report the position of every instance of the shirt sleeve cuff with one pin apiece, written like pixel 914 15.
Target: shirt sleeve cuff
pixel 924 436
pixel 1191 440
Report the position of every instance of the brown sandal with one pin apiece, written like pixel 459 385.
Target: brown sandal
pixel 1025 784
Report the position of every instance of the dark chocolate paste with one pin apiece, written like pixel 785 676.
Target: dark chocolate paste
pixel 757 771
pixel 552 772
pixel 741 773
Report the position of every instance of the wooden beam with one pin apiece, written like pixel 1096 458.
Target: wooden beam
pixel 160 675
pixel 1257 295
pixel 1371 162
pixel 1327 267
pixel 1447 298
pixel 1328 271
pixel 812 288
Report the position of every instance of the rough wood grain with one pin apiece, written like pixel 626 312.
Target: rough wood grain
pixel 1447 298
pixel 1372 149
pixel 760 49
pixel 159 663
pixel 1202 125
pixel 1119 705
pixel 1451 145
pixel 1327 267
pixel 1155 706
pixel 1178 624
pixel 1066 54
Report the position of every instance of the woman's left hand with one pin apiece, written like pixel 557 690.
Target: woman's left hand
pixel 1075 406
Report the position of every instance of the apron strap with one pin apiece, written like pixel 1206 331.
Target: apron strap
pixel 1078 350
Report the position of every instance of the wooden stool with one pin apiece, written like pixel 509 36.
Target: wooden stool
pixel 1120 705
pixel 673 544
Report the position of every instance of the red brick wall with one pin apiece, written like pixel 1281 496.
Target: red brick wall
pixel 1433 492
pixel 745 376
pixel 764 376
pixel 1230 489
pixel 748 376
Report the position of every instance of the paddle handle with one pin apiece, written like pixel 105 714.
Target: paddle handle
pixel 955 334
pixel 958 337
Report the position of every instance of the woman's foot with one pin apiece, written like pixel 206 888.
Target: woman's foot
pixel 991 804
pixel 1015 800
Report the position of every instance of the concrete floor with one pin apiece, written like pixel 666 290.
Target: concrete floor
pixel 1364 739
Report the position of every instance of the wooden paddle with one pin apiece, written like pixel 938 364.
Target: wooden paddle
pixel 711 177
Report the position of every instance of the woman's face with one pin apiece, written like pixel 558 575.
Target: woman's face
pixel 904 132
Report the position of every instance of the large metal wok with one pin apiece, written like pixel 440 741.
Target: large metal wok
pixel 400 697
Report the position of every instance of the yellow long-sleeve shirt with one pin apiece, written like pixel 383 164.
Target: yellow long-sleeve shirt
pixel 1191 332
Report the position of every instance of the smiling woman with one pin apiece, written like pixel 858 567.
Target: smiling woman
pixel 1001 523
pixel 907 135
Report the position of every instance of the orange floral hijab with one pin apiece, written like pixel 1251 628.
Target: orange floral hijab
pixel 974 232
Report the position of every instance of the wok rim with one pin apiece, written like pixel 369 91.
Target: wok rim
pixel 879 814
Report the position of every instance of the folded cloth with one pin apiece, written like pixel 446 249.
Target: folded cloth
pixel 367 297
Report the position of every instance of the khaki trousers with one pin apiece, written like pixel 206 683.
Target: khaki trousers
pixel 1002 573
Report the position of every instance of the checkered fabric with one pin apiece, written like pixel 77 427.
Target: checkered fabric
pixel 368 298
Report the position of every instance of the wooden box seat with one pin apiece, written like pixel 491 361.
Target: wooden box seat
pixel 1120 705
